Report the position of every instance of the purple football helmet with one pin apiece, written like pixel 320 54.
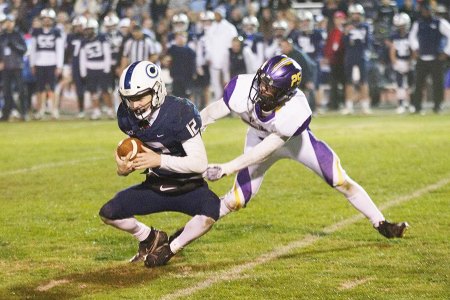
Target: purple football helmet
pixel 275 82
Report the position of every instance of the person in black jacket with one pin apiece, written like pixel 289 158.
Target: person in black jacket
pixel 12 50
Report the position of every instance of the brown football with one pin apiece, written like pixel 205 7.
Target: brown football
pixel 127 145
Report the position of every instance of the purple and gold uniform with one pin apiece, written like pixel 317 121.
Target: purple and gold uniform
pixel 290 121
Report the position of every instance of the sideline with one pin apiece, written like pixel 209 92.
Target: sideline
pixel 50 165
pixel 235 272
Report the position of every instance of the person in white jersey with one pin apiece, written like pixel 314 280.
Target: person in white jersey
pixel 278 116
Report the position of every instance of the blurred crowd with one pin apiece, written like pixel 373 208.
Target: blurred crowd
pixel 355 55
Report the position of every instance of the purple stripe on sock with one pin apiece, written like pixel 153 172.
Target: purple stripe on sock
pixel 244 181
pixel 324 157
pixel 229 89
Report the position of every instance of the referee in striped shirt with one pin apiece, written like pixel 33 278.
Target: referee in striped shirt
pixel 139 47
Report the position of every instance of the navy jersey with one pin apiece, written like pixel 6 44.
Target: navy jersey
pixel 311 43
pixel 95 54
pixel 115 40
pixel 356 42
pixel 73 46
pixel 178 120
pixel 429 37
pixel 47 47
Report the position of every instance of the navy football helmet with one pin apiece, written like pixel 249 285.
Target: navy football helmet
pixel 275 82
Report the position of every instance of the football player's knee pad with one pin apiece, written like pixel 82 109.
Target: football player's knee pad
pixel 232 201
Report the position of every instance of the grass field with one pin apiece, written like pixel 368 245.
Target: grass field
pixel 298 239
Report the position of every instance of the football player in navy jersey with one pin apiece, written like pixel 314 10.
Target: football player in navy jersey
pixel 279 116
pixel 73 46
pixel 46 60
pixel 95 67
pixel 357 41
pixel 174 160
pixel 401 59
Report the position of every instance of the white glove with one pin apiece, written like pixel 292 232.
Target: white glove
pixel 214 172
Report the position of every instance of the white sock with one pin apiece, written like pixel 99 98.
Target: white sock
pixel 131 225
pixel 359 198
pixel 349 104
pixel 224 210
pixel 195 228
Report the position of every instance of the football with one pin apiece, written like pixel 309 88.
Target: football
pixel 127 145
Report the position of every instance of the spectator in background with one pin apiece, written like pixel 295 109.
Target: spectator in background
pixel 115 40
pixel 139 47
pixel 254 40
pixel 12 50
pixel 401 60
pixel 183 66
pixel 241 58
pixel 158 9
pixel 28 77
pixel 357 40
pixel 330 7
pixel 201 92
pixel 95 68
pixel 309 68
pixel 73 46
pixel 334 53
pixel 426 39
pixel 266 20
pixel 218 40
pixel 409 9
pixel 272 46
pixel 46 60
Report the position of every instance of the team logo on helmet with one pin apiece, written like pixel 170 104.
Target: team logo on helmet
pixel 151 71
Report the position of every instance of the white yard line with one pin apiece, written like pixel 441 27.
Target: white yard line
pixel 50 165
pixel 235 272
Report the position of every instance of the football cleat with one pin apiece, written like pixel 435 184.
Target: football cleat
pixel 155 239
pixel 392 230
pixel 159 257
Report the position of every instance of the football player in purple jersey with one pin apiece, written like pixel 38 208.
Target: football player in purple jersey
pixel 279 116
pixel 174 161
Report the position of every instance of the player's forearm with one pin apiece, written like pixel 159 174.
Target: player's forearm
pixel 256 155
pixel 195 160
pixel 213 112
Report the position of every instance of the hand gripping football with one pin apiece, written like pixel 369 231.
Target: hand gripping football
pixel 128 145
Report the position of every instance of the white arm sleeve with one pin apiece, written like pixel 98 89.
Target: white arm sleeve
pixel 195 160
pixel 413 40
pixel 256 155
pixel 213 112
pixel 444 28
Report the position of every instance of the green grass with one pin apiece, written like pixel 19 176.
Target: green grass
pixel 55 176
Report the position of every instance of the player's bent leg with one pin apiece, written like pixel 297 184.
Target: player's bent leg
pixel 194 229
pixel 246 185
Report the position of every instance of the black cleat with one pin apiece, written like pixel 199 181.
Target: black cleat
pixel 155 239
pixel 392 230
pixel 159 257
